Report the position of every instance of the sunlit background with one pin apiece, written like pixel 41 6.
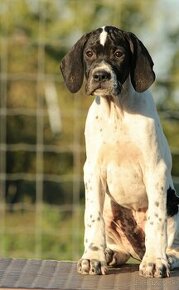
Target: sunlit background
pixel 41 123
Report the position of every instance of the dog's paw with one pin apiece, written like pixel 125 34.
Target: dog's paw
pixel 109 255
pixel 115 259
pixel 158 268
pixel 92 267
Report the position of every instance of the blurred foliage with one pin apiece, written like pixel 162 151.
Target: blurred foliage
pixel 34 36
pixel 56 234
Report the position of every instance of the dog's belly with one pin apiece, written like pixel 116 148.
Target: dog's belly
pixel 124 176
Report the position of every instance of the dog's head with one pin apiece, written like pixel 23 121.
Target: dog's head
pixel 106 57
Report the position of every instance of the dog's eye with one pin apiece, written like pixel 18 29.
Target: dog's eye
pixel 89 53
pixel 118 53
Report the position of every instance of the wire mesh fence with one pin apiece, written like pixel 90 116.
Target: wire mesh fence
pixel 41 141
pixel 30 134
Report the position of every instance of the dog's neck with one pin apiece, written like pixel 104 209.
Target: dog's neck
pixel 117 105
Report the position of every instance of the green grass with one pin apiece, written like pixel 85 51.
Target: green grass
pixel 50 235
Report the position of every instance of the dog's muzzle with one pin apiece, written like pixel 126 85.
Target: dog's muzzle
pixel 103 82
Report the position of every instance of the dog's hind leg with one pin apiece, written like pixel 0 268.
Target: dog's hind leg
pixel 173 246
pixel 173 257
pixel 124 234
pixel 173 228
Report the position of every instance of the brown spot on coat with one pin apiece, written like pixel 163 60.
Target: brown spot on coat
pixel 93 248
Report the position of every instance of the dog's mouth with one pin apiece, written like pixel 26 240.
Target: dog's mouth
pixel 98 89
pixel 104 89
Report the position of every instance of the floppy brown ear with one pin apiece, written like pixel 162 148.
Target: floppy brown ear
pixel 72 66
pixel 141 72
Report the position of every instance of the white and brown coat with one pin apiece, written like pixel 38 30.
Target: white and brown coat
pixel 131 205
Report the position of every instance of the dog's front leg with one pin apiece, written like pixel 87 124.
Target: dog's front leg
pixel 154 263
pixel 93 259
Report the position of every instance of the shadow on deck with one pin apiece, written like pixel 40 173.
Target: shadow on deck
pixel 47 274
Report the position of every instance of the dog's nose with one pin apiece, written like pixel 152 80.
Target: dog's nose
pixel 101 76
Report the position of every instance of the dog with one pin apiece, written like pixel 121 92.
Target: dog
pixel 131 204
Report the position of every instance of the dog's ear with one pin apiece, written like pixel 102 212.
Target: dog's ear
pixel 72 66
pixel 141 71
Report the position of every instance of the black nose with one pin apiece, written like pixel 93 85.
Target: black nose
pixel 101 76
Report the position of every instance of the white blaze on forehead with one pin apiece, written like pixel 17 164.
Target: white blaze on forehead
pixel 103 36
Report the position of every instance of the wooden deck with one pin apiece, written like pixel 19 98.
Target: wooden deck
pixel 47 274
